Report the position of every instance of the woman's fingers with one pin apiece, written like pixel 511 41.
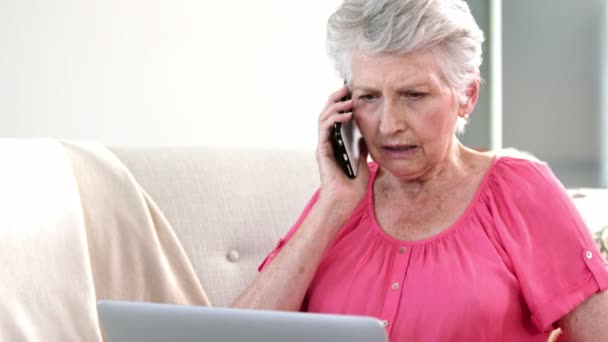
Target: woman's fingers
pixel 337 96
pixel 335 105
pixel 335 111
pixel 325 128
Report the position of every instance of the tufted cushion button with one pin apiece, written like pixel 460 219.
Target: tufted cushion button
pixel 233 256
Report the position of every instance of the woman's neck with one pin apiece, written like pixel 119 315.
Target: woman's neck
pixel 458 163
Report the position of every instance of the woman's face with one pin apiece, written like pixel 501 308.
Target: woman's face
pixel 406 111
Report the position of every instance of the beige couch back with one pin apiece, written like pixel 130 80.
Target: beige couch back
pixel 228 207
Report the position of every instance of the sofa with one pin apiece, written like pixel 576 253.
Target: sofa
pixel 228 207
pixel 186 225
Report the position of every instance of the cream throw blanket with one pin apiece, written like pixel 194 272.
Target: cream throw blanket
pixel 75 228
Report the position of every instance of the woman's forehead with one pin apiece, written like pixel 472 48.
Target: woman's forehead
pixel 406 70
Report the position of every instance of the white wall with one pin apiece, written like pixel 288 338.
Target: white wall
pixel 165 72
pixel 255 73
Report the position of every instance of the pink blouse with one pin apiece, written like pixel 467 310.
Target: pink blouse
pixel 517 260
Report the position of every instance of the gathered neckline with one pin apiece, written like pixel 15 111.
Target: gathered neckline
pixel 448 231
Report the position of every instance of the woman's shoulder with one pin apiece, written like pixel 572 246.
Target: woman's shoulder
pixel 516 155
pixel 508 168
pixel 522 178
pixel 514 166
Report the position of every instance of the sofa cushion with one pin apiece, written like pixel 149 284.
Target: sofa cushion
pixel 228 206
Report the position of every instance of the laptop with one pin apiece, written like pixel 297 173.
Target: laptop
pixel 124 321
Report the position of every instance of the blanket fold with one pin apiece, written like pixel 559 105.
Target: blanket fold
pixel 76 228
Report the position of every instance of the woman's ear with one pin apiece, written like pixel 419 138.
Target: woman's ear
pixel 471 97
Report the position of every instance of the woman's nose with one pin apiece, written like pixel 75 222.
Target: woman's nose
pixel 392 118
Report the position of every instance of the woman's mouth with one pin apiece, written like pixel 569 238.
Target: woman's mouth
pixel 400 150
pixel 400 147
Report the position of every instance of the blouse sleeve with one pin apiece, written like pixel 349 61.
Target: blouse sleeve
pixel 552 252
pixel 282 241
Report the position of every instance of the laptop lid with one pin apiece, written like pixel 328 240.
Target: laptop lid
pixel 138 322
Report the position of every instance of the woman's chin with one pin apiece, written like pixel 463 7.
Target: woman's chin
pixel 401 169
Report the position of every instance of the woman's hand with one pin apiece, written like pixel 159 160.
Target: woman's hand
pixel 283 284
pixel 336 187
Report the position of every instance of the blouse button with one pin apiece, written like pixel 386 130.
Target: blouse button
pixel 395 286
pixel 588 255
pixel 385 323
pixel 401 250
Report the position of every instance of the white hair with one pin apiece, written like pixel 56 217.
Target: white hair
pixel 403 26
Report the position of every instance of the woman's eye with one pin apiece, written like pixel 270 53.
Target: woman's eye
pixel 367 97
pixel 415 94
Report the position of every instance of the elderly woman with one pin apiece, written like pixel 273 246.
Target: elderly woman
pixel 440 242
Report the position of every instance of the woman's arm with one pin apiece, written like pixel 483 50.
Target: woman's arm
pixel 588 321
pixel 283 284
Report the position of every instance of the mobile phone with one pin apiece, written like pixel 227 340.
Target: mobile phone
pixel 345 140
